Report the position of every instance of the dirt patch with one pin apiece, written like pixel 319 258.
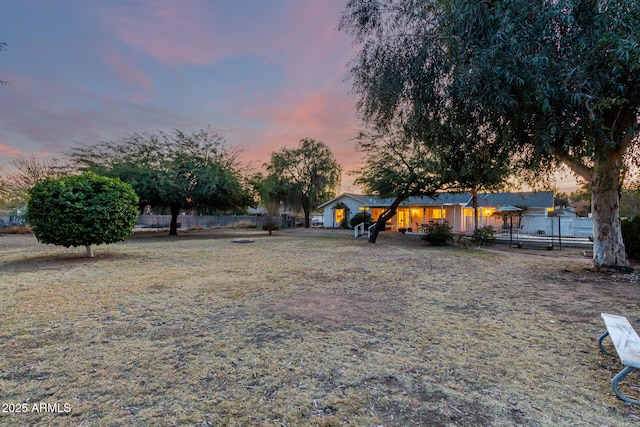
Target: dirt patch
pixel 336 310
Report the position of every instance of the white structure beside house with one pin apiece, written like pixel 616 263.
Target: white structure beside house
pixel 454 209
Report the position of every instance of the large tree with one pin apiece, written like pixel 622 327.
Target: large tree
pixel 470 156
pixel 395 166
pixel 178 171
pixel 307 175
pixel 559 81
pixel 455 155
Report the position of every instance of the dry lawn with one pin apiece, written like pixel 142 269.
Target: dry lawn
pixel 307 327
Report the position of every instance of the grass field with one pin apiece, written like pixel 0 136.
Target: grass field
pixel 308 327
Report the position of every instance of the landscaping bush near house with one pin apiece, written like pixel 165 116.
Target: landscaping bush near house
pixel 438 234
pixel 631 236
pixel 359 218
pixel 483 236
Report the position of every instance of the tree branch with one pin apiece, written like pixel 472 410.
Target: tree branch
pixel 576 165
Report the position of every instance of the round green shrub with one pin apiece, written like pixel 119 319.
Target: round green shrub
pixel 82 210
pixel 438 234
pixel 482 236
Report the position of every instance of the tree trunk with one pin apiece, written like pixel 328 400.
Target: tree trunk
pixel 608 246
pixel 270 224
pixel 307 220
pixel 381 222
pixel 175 210
pixel 89 251
pixel 306 207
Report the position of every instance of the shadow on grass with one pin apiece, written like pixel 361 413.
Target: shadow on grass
pixel 220 234
pixel 61 261
pixel 57 261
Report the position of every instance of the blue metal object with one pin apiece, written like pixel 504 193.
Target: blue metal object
pixel 603 336
pixel 626 371
pixel 614 384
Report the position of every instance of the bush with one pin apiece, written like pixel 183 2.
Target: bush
pixel 438 234
pixel 462 241
pixel 82 210
pixel 631 236
pixel 482 236
pixel 359 218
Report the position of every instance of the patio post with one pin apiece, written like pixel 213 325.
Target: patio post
pixel 510 230
pixel 559 234
pixel 424 216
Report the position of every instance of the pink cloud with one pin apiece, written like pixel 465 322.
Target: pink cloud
pixel 5 150
pixel 130 73
pixel 288 117
pixel 198 32
pixel 170 31
pixel 319 44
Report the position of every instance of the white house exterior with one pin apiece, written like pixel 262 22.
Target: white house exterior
pixel 454 209
pixel 332 216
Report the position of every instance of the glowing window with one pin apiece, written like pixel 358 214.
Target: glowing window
pixel 339 216
pixel 439 214
pixel 401 219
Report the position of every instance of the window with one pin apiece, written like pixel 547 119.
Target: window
pixel 375 213
pixel 339 216
pixel 439 213
pixel 401 219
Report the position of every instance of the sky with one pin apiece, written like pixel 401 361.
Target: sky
pixel 263 73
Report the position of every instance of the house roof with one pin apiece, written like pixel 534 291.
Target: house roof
pixel 376 201
pixel 357 197
pixel 440 199
pixel 539 199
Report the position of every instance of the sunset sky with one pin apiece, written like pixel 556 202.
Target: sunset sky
pixel 265 73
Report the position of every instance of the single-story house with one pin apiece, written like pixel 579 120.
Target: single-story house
pixel 454 209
